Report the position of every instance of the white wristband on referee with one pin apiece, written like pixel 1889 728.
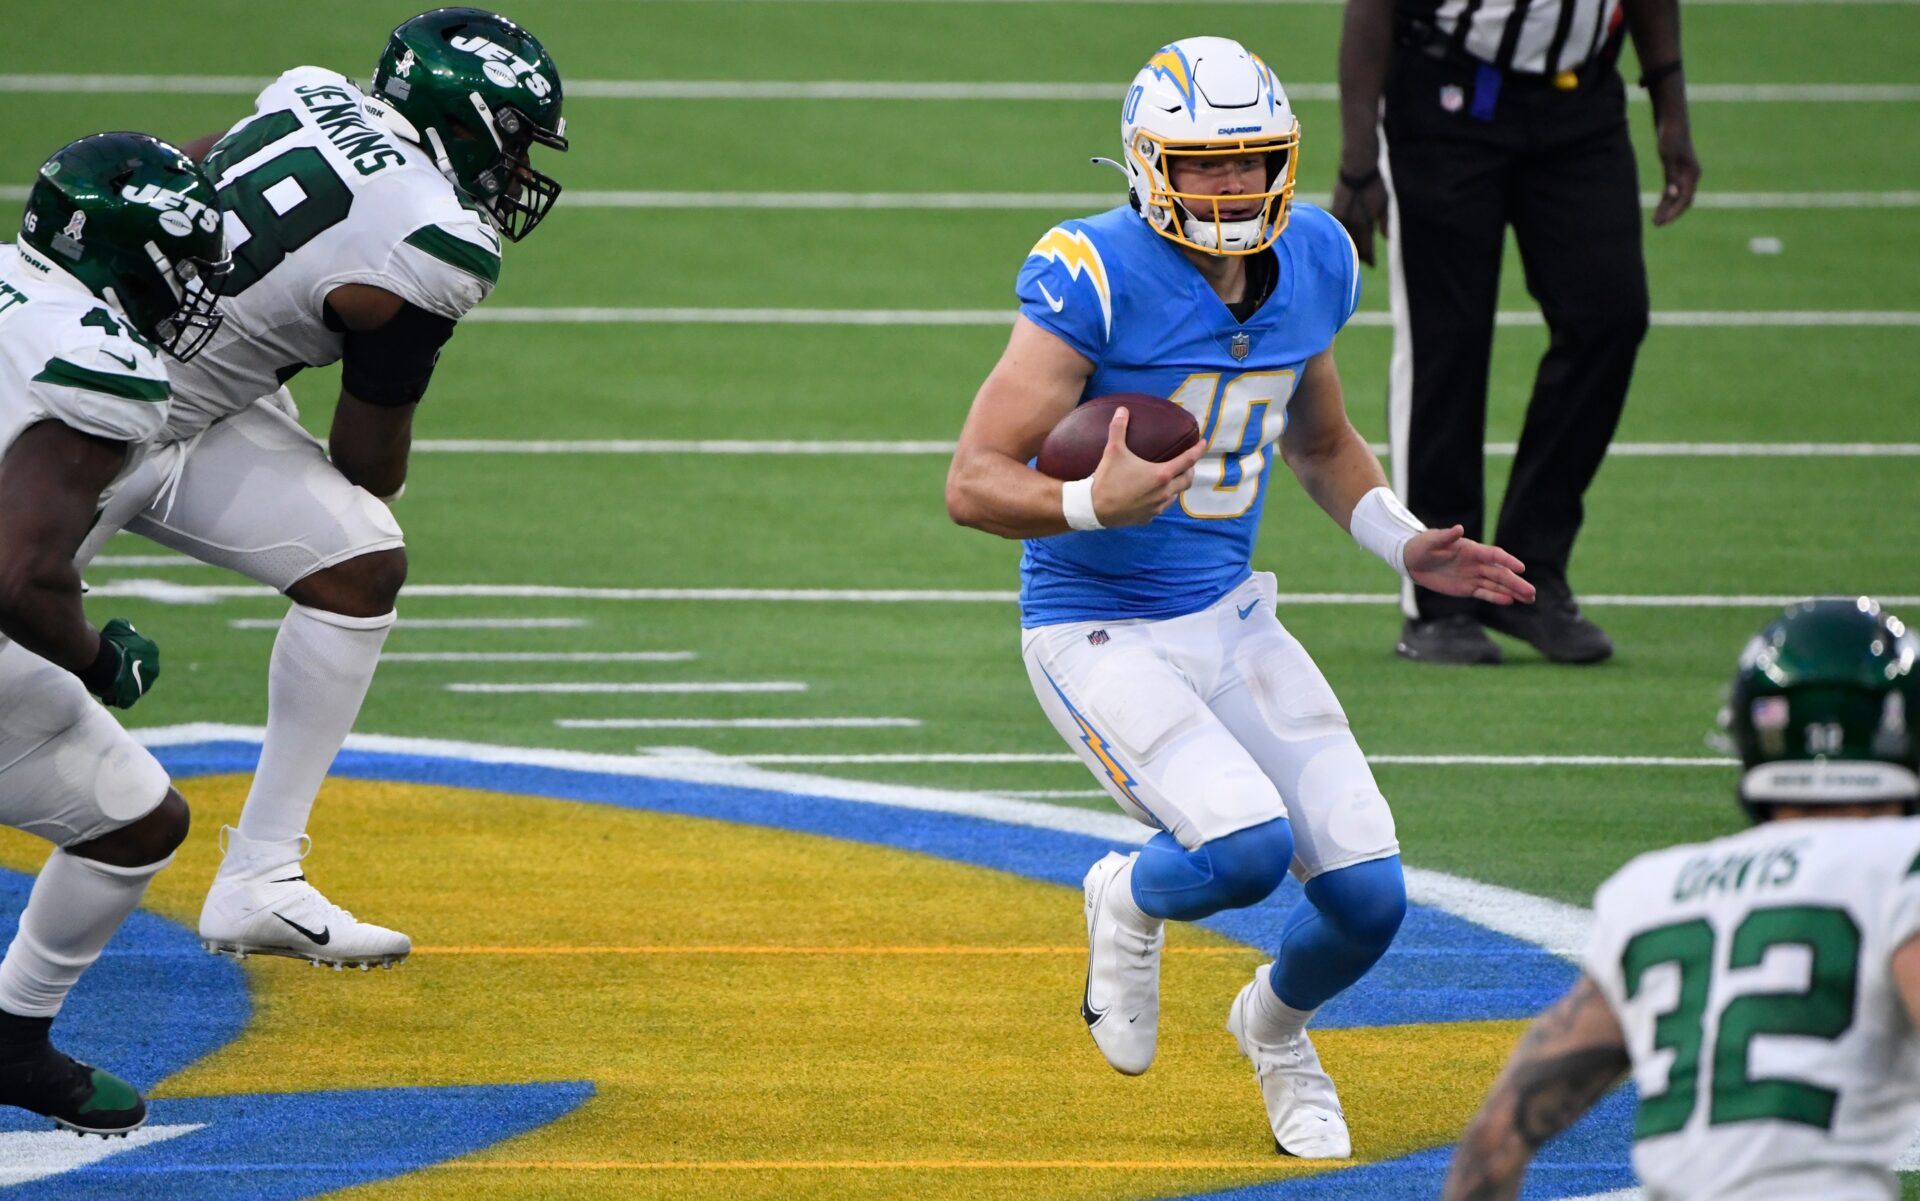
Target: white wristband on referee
pixel 1382 525
pixel 1076 503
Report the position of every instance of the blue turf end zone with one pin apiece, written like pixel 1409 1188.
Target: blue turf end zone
pixel 188 1003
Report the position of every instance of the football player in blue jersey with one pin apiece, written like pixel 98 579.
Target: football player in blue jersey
pixel 1151 643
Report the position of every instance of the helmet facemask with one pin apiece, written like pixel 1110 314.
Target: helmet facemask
pixel 515 195
pixel 1194 219
pixel 196 285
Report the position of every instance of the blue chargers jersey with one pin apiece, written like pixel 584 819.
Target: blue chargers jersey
pixel 1128 300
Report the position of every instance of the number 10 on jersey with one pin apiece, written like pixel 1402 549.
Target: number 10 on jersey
pixel 1239 421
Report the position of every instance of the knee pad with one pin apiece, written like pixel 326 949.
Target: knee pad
pixel 1365 902
pixel 1251 863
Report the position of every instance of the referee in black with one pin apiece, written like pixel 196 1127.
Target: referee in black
pixel 1461 118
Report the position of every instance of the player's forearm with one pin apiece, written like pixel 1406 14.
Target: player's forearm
pixel 40 609
pixel 1655 28
pixel 1366 45
pixel 1565 1062
pixel 990 491
pixel 1491 1161
pixel 1336 471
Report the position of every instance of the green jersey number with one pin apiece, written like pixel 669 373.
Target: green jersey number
pixel 1824 1009
pixel 285 202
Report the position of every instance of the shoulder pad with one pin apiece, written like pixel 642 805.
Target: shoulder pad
pixel 99 379
pixel 448 263
pixel 1065 286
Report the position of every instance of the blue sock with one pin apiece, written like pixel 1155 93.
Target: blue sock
pixel 1341 929
pixel 1231 872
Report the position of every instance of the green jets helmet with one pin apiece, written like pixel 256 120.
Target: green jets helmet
pixel 138 224
pixel 1820 706
pixel 476 92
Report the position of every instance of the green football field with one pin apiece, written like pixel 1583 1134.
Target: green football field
pixel 1787 311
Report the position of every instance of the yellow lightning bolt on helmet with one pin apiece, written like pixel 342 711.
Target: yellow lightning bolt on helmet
pixel 1208 98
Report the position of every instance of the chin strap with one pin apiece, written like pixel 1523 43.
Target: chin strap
pixel 1098 161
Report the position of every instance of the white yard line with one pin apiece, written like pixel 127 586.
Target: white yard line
pixel 722 446
pixel 688 687
pixel 1091 201
pixel 1045 793
pixel 737 723
pixel 1026 91
pixel 1094 201
pixel 144 561
pixel 538 657
pixel 622 315
pixel 1068 757
pixel 442 623
pixel 1554 926
pixel 167 592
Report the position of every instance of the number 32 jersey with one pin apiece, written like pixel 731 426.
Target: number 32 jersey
pixel 1127 299
pixel 1751 976
pixel 318 193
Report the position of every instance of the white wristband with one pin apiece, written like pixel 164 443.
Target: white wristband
pixel 1076 503
pixel 1382 525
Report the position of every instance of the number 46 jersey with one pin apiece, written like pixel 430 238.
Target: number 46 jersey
pixel 318 193
pixel 1751 977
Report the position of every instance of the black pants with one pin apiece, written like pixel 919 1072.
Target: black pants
pixel 1557 166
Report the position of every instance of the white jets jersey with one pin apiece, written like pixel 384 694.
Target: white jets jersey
pixel 1774 1059
pixel 66 357
pixel 318 193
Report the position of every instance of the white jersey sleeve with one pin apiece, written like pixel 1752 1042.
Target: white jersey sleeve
pixel 64 356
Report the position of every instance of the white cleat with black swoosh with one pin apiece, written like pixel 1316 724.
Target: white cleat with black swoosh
pixel 1302 1107
pixel 1121 1004
pixel 262 904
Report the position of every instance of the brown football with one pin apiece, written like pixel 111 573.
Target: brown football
pixel 1157 430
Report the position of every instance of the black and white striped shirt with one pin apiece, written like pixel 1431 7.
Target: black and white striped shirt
pixel 1539 37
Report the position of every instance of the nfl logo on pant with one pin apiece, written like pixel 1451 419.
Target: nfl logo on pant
pixel 1098 638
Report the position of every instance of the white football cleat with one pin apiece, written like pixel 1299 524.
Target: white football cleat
pixel 1122 1001
pixel 261 904
pixel 1302 1107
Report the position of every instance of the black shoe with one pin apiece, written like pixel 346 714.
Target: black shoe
pixel 37 1077
pixel 1552 625
pixel 1455 638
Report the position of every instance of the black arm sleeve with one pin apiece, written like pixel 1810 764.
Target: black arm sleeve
pixel 391 366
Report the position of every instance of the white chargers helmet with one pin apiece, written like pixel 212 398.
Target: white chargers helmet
pixel 1208 98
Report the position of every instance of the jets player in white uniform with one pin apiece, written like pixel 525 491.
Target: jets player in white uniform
pixel 363 227
pixel 1763 990
pixel 119 254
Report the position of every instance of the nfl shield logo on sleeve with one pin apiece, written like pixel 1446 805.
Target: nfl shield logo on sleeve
pixel 1240 345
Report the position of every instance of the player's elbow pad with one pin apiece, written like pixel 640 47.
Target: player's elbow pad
pixel 391 366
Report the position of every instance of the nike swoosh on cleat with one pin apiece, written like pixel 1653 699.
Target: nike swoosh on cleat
pixel 319 940
pixel 1088 1013
pixel 1249 609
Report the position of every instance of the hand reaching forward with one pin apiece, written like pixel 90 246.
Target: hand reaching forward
pixel 1452 564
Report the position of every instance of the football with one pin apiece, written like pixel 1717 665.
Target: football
pixel 1157 430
